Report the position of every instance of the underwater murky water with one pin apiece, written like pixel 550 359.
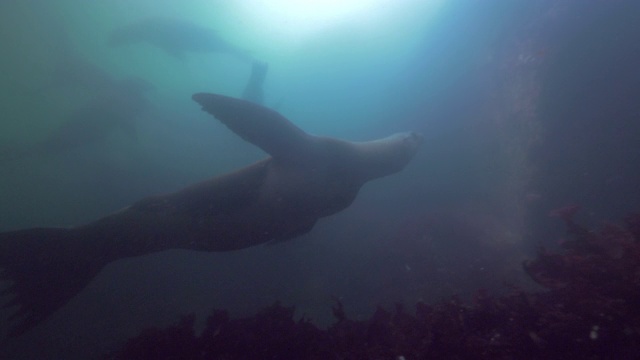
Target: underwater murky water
pixel 525 107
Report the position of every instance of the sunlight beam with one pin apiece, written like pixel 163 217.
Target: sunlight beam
pixel 297 20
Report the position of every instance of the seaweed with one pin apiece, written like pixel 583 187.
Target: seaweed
pixel 587 310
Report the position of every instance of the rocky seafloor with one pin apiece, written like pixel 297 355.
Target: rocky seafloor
pixel 588 310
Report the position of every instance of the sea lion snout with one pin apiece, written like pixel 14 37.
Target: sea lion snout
pixel 414 138
pixel 411 141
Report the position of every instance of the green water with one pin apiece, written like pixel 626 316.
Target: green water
pixel 341 80
pixel 464 74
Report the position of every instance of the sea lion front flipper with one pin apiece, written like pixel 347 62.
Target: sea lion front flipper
pixel 258 125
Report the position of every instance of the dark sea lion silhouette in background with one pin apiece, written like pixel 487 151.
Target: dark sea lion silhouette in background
pixel 175 37
pixel 67 69
pixel 306 178
pixel 115 108
pixel 72 71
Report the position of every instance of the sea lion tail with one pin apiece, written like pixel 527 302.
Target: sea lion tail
pixel 42 268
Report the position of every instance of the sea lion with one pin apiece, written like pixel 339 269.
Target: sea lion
pixel 116 108
pixel 305 178
pixel 176 37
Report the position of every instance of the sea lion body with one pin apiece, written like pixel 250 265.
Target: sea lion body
pixel 276 199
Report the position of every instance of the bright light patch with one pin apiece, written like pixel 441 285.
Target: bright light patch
pixel 301 18
pixel 296 20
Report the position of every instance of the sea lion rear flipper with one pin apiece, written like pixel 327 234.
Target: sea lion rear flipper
pixel 258 125
pixel 45 268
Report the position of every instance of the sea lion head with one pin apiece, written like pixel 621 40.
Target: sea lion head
pixel 388 155
pixel 407 143
pixel 401 149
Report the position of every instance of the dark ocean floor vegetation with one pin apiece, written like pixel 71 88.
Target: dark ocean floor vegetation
pixel 588 310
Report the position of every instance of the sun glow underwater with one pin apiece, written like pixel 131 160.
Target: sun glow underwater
pixel 295 21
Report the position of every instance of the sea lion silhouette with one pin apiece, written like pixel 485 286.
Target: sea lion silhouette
pixel 306 178
pixel 176 37
pixel 115 108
